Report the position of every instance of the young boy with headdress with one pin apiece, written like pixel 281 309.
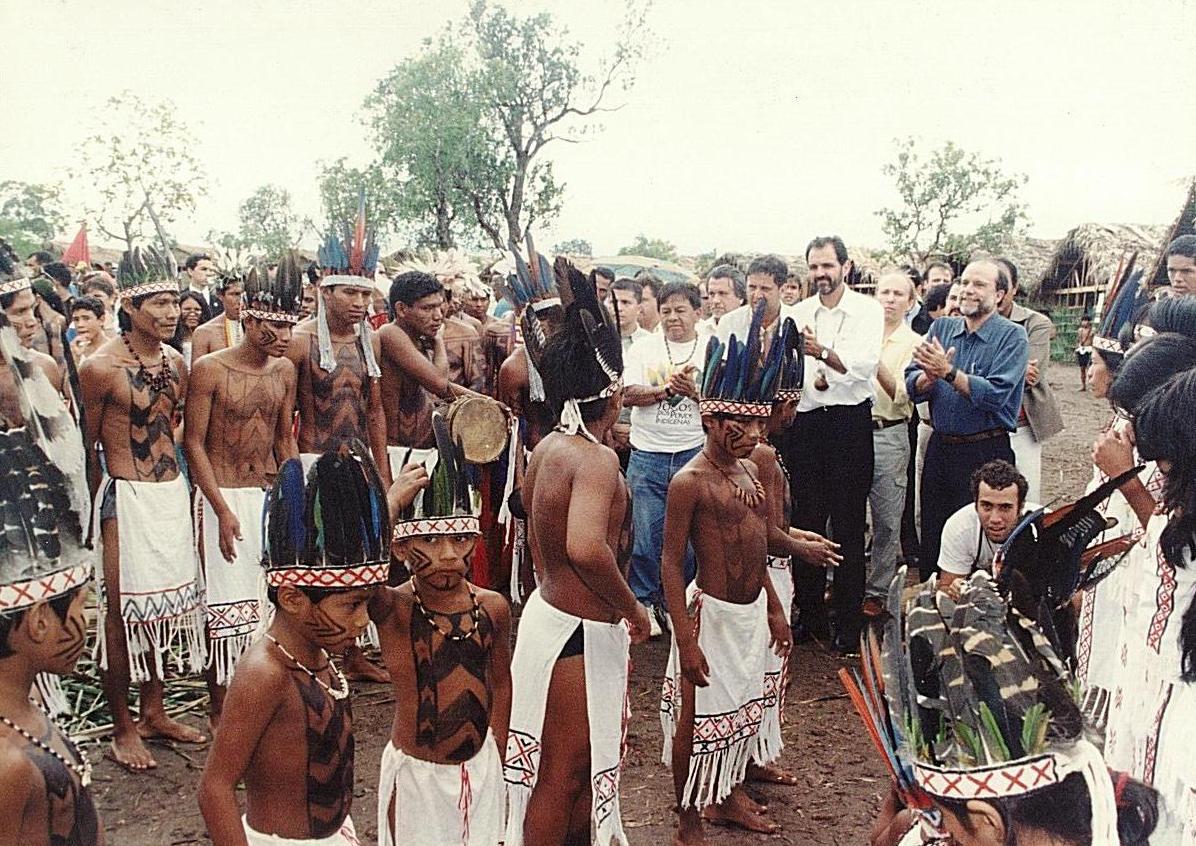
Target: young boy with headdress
pixel 447 646
pixel 238 430
pixel 723 623
pixel 287 724
pixel 44 579
pixel 569 708
pixel 150 596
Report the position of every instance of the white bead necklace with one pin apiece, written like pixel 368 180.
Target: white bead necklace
pixel 341 681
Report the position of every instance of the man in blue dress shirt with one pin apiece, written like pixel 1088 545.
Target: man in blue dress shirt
pixel 971 369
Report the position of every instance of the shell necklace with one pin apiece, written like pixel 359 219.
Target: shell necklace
pixel 475 614
pixel 341 681
pixel 82 769
pixel 752 499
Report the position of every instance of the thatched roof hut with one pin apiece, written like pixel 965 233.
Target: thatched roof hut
pixel 1086 259
pixel 1185 224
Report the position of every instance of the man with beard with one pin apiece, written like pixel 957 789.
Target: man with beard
pixel 238 431
pixel 972 369
pixel 843 332
pixel 133 391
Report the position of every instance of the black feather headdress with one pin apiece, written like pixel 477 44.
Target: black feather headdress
pixel 447 505
pixel 278 299
pixel 331 530
pixel 738 380
pixel 147 270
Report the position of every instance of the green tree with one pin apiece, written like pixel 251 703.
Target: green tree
pixel 657 248
pixel 574 247
pixel 30 215
pixel 952 202
pixel 139 164
pixel 341 187
pixel 269 223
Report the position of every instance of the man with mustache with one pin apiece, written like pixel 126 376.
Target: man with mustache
pixel 843 332
pixel 238 432
pixel 972 369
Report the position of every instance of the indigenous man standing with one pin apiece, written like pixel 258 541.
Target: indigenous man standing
pixel 568 714
pixel 238 431
pixel 224 330
pixel 133 389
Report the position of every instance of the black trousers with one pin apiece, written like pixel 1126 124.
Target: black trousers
pixel 947 487
pixel 910 545
pixel 829 456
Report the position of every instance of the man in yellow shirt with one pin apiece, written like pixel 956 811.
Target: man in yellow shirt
pixel 891 413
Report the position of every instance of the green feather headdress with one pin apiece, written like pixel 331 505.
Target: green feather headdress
pixel 446 506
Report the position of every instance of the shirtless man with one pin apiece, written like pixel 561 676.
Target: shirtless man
pixel 565 742
pixel 133 390
pixel 446 644
pixel 44 778
pixel 462 342
pixel 248 392
pixel 19 305
pixel 287 725
pixel 224 330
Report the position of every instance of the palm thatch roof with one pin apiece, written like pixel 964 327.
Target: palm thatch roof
pixel 1185 224
pixel 1087 257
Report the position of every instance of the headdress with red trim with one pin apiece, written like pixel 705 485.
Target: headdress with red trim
pixel 350 258
pixel 793 362
pixel 41 555
pixel 738 381
pixel 967 699
pixel 279 299
pixel 447 506
pixel 332 530
pixel 1125 300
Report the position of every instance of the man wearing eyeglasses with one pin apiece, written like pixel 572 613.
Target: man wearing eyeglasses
pixel 972 369
pixel 829 449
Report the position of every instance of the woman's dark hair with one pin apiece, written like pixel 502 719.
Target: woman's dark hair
pixel 1165 429
pixel 681 289
pixel 1148 366
pixel 205 314
pixel 8 622
pixel 1063 812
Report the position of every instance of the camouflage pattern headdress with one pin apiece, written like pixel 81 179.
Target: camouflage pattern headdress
pixel 279 299
pixel 969 700
pixel 736 381
pixel 447 505
pixel 350 258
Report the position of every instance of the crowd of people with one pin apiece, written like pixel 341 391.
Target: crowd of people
pixel 265 462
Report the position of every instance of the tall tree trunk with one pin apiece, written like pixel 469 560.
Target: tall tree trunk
pixel 444 220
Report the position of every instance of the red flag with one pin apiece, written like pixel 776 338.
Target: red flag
pixel 78 251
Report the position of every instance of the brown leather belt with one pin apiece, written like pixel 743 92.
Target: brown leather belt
pixel 986 435
pixel 878 424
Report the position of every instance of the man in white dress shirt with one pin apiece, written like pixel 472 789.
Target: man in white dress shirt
pixel 828 450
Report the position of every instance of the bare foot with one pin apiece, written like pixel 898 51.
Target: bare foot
pixel 127 750
pixel 357 667
pixel 164 727
pixel 744 801
pixel 770 774
pixel 729 814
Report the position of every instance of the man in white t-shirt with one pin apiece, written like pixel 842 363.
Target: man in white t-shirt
pixel 662 372
pixel 974 533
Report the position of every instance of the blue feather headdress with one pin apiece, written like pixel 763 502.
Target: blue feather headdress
pixel 1125 299
pixel 740 381
pixel 447 505
pixel 348 258
pixel 331 530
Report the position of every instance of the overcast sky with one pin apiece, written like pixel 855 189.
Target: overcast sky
pixel 752 126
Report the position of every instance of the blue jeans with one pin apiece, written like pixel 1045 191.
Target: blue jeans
pixel 648 476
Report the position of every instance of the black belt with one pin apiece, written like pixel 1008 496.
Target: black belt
pixel 827 409
pixel 877 424
pixel 986 435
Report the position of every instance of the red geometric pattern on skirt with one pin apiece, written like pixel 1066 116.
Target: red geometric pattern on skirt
pixel 1164 601
pixel 772 689
pixel 242 614
pixel 1084 646
pixel 990 782
pixel 522 763
pixel 1152 741
pixel 606 791
pixel 714 733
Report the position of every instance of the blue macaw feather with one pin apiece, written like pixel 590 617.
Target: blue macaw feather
pixel 545 275
pixel 751 353
pixel 731 376
pixel 714 356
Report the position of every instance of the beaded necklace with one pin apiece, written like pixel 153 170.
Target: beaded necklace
pixel 156 382
pixel 81 769
pixel 341 681
pixel 668 352
pixel 751 500
pixel 475 614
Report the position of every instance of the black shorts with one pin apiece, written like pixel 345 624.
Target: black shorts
pixel 1084 359
pixel 576 644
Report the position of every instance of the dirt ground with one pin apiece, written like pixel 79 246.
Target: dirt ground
pixel 841 780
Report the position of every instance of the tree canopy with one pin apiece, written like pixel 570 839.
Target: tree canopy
pixel 650 248
pixel 30 215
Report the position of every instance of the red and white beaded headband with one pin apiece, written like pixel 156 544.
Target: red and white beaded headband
pixel 463 524
pixel 789 395
pixel 24 594
pixel 735 407
pixel 996 781
pixel 163 286
pixel 272 316
pixel 15 286
pixel 363 575
pixel 346 279
pixel 1107 345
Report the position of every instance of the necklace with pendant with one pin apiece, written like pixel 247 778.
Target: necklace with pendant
pixel 82 769
pixel 156 382
pixel 475 614
pixel 341 681
pixel 750 499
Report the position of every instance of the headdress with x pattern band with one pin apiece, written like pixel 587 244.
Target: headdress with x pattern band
pixel 147 270
pixel 348 258
pixel 1126 298
pixel 278 300
pixel 447 505
pixel 738 381
pixel 330 530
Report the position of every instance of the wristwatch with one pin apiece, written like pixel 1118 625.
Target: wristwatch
pixel 825 354
pixel 951 374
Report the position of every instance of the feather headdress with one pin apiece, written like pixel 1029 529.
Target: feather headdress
pixel 1125 299
pixel 331 530
pixel 348 258
pixel 737 380
pixel 145 270
pixel 793 362
pixel 530 281
pixel 232 265
pixel 447 505
pixel 279 299
pixel 969 700
pixel 41 554
pixel 12 276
